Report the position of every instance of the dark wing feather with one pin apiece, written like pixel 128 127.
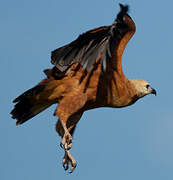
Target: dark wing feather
pixel 91 45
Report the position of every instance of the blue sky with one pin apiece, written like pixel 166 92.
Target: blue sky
pixel 130 143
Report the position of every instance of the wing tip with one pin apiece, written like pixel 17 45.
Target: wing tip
pixel 124 8
pixel 123 11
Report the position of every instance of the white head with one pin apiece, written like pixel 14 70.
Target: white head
pixel 143 88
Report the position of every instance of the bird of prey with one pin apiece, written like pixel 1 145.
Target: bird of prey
pixel 87 74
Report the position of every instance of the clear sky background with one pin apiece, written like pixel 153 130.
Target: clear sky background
pixel 134 143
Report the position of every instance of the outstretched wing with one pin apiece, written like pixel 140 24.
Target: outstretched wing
pixel 100 42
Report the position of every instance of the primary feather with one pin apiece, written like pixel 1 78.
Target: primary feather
pixel 91 45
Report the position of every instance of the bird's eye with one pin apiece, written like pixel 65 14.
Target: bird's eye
pixel 147 86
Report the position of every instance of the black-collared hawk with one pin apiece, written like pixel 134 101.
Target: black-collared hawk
pixel 87 74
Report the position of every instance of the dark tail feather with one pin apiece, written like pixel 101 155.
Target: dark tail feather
pixel 30 93
pixel 28 106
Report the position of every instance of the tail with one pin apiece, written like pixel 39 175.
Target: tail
pixel 33 101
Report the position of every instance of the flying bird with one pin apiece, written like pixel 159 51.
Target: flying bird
pixel 87 74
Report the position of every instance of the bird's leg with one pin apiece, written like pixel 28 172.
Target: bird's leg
pixel 66 141
pixel 68 158
pixel 68 128
pixel 69 112
pixel 66 144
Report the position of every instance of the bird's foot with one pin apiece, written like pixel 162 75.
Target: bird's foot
pixel 66 142
pixel 69 160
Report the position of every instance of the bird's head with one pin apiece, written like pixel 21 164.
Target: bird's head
pixel 143 88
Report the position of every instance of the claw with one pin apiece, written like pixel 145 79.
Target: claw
pixel 61 145
pixel 65 163
pixel 73 168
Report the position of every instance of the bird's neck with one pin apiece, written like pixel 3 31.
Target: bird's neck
pixel 120 90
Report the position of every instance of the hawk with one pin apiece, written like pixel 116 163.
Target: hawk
pixel 87 74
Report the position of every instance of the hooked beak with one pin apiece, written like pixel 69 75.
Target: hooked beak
pixel 153 91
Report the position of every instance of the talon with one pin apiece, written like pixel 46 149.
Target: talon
pixel 65 162
pixel 73 168
pixel 65 165
pixel 61 145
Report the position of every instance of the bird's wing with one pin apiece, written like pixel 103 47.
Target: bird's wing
pixel 100 42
